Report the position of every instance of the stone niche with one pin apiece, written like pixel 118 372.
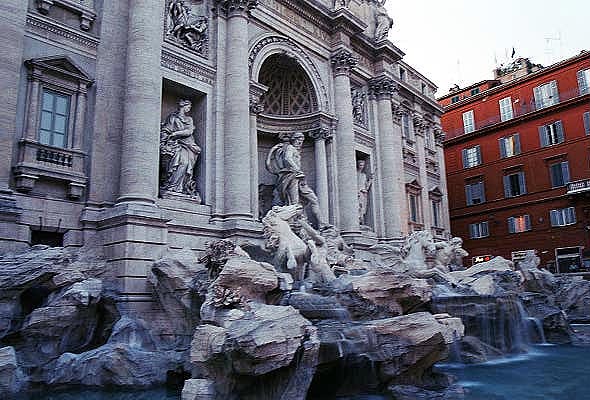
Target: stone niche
pixel 367 221
pixel 267 181
pixel 172 93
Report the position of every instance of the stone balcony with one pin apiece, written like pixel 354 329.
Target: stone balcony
pixel 37 160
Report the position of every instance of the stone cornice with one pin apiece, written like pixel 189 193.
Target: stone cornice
pixel 187 67
pixel 234 8
pixel 343 20
pixel 47 28
pixel 382 88
pixel 383 50
pixel 342 62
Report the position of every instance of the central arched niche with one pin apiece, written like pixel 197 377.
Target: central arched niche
pixel 290 91
pixel 289 105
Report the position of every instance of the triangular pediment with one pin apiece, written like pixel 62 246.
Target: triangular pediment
pixel 60 64
pixel 413 183
pixel 435 191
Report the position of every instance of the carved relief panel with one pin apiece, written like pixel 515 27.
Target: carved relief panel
pixel 187 25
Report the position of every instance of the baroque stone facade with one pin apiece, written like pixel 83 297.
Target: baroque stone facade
pixel 100 148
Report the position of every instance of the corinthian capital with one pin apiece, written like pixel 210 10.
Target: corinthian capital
pixel 439 136
pixel 321 134
pixel 343 61
pixel 382 88
pixel 420 124
pixel 231 8
pixel 256 92
pixel 397 112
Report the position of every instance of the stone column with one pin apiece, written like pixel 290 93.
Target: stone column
pixel 256 107
pixel 342 62
pixel 236 143
pixel 439 137
pixel 421 130
pixel 320 136
pixel 142 108
pixel 390 154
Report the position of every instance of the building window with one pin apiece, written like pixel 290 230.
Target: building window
pixel 584 81
pixel 478 230
pixel 563 216
pixel 436 213
pixel 519 224
pixel 402 74
pixel 551 134
pixel 54 129
pixel 475 193
pixel 514 184
pixel 546 95
pixel 510 145
pixel 587 123
pixel 455 99
pixel 55 115
pixel 506 112
pixel 468 122
pixel 471 157
pixel 560 174
pixel 406 131
pixel 414 200
pixel 474 91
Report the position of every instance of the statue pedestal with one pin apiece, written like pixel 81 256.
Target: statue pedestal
pixel 181 196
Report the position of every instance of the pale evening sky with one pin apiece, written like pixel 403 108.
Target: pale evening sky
pixel 456 41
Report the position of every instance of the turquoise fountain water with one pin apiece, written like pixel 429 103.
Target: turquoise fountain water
pixel 546 372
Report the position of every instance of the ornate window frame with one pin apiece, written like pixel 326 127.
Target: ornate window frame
pixel 35 160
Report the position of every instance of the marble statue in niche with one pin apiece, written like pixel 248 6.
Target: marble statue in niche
pixel 187 29
pixel 364 183
pixel 179 152
pixel 383 22
pixel 359 107
pixel 284 161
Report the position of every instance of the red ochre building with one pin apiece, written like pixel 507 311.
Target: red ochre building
pixel 517 155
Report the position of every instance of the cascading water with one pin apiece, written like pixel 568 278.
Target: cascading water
pixel 499 321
